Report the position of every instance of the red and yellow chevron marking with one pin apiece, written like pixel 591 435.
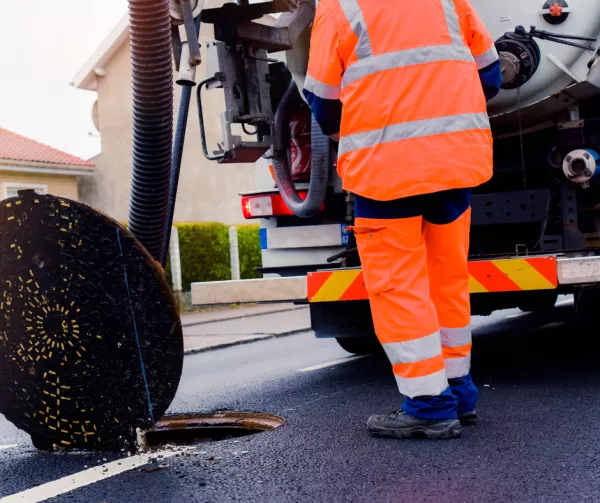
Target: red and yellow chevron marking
pixel 513 275
pixel 329 286
pixel 506 275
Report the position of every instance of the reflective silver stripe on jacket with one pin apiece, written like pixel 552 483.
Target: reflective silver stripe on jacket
pixel 414 350
pixel 414 129
pixel 320 89
pixel 456 337
pixel 453 23
pixel 404 58
pixel 487 58
pixel 357 22
pixel 369 64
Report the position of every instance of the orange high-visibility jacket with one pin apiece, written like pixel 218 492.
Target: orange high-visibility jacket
pixel 414 117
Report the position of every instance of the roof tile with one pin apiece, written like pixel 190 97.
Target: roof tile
pixel 19 148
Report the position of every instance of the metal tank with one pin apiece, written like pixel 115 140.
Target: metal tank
pixel 558 65
pixel 534 68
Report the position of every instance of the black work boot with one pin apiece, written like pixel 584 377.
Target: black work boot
pixel 468 418
pixel 401 425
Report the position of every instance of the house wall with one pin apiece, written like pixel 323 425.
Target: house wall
pixel 207 191
pixel 58 185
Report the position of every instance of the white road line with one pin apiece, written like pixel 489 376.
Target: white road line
pixel 325 365
pixel 86 477
pixel 4 447
pixel 518 315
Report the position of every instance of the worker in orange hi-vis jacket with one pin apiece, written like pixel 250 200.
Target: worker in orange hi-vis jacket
pixel 403 89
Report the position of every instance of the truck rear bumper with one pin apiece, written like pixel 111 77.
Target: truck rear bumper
pixel 251 291
pixel 503 275
pixel 577 271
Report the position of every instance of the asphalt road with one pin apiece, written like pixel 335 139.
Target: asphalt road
pixel 537 440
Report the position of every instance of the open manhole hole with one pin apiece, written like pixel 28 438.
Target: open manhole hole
pixel 186 429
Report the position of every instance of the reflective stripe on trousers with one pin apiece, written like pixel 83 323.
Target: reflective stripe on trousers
pixel 411 360
pixel 456 348
pixel 430 385
pixel 418 364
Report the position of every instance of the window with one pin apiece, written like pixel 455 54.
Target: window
pixel 11 189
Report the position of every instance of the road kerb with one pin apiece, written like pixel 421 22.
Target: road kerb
pixel 261 337
pixel 241 315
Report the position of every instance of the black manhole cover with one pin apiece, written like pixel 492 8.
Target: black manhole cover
pixel 185 429
pixel 91 346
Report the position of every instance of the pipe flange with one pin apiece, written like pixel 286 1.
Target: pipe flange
pixel 519 59
pixel 510 66
pixel 580 166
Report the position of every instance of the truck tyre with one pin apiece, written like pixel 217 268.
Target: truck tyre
pixel 538 303
pixel 586 305
pixel 360 345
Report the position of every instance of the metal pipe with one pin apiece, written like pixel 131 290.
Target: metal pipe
pixel 210 157
pixel 178 144
pixel 182 116
pixel 192 30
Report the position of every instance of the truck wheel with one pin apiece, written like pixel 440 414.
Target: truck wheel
pixel 586 305
pixel 360 345
pixel 539 303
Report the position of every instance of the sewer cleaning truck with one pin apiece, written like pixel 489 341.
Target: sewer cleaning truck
pixel 535 224
pixel 91 346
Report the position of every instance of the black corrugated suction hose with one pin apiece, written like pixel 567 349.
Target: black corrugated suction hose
pixel 152 70
pixel 319 175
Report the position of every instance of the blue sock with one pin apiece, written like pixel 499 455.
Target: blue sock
pixel 442 406
pixel 465 392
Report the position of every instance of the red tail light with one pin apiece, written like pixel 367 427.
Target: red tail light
pixel 268 205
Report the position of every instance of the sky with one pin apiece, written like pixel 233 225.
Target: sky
pixel 43 44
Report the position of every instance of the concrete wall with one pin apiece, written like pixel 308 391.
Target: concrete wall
pixel 207 190
pixel 58 185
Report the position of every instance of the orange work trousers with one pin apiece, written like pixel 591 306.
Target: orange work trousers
pixel 418 283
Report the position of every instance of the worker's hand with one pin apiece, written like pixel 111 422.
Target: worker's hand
pixel 335 137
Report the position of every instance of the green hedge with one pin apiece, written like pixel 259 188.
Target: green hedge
pixel 204 251
pixel 250 256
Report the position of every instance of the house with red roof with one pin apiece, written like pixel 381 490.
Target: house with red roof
pixel 28 164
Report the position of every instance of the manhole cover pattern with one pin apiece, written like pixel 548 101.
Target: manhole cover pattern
pixel 91 346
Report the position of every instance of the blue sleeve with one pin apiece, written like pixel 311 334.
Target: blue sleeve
pixel 491 80
pixel 328 113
